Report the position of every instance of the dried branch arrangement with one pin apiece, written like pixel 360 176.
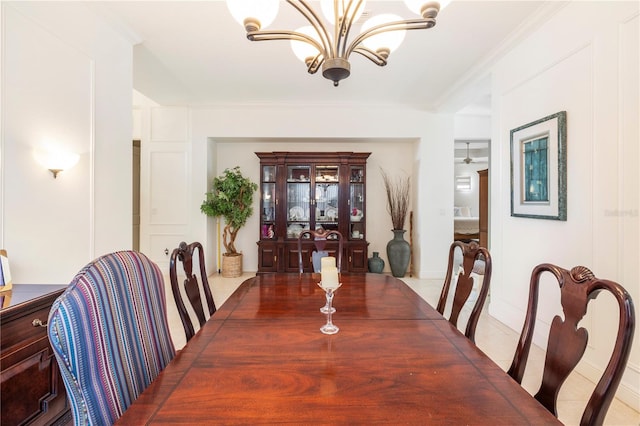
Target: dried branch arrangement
pixel 397 198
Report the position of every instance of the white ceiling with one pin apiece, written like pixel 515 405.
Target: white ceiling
pixel 193 52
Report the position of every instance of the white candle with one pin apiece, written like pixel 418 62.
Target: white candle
pixel 327 262
pixel 329 278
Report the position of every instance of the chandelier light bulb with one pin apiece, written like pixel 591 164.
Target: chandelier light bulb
pixel 390 40
pixel 254 14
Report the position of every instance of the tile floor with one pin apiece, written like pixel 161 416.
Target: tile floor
pixel 494 338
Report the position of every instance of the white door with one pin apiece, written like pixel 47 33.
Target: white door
pixel 165 182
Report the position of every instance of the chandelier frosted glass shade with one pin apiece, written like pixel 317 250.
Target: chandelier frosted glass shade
pixel 328 45
pixel 254 13
pixel 304 50
pixel 386 40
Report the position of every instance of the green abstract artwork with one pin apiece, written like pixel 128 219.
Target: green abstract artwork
pixel 536 170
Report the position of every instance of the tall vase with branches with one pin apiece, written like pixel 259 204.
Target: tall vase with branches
pixel 398 197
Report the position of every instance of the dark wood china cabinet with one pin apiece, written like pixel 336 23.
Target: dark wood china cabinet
pixel 311 190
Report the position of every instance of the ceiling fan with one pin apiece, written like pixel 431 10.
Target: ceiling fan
pixel 480 152
pixel 467 159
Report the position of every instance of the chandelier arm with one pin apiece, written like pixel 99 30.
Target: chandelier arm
pixel 268 35
pixel 311 16
pixel 337 29
pixel 314 65
pixel 371 55
pixel 342 33
pixel 410 24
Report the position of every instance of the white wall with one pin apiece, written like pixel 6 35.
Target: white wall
pixel 70 83
pixel 434 194
pixel 472 126
pixel 591 72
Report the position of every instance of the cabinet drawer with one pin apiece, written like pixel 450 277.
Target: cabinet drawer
pixel 357 258
pixel 20 329
pixel 267 257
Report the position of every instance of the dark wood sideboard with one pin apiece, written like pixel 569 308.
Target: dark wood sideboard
pixel 31 388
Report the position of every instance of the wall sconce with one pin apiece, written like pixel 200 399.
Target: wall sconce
pixel 56 161
pixel 463 183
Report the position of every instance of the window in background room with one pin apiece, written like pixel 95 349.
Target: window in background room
pixel 463 183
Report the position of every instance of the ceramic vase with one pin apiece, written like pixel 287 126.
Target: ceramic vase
pixel 398 253
pixel 376 264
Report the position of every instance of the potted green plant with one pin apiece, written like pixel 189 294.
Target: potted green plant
pixel 230 197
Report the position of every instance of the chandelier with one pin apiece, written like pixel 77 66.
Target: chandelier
pixel 319 47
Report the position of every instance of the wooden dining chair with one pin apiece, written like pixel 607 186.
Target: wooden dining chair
pixel 110 335
pixel 567 342
pixel 319 239
pixel 465 259
pixel 184 255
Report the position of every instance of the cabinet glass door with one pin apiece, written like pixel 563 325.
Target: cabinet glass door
pixel 356 203
pixel 298 200
pixel 267 228
pixel 326 196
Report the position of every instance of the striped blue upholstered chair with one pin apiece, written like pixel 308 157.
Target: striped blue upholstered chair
pixel 110 335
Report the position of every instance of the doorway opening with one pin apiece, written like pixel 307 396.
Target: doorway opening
pixel 471 199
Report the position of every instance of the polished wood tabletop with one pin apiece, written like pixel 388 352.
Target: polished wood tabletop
pixel 261 359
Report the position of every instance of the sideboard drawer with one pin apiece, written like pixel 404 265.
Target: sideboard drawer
pixel 20 329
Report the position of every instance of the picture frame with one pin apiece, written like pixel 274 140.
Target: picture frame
pixel 6 283
pixel 539 168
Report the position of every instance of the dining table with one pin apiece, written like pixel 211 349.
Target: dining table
pixel 262 359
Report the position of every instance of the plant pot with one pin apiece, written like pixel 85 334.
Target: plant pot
pixel 398 253
pixel 376 264
pixel 232 265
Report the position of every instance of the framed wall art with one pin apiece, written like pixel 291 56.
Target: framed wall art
pixel 539 168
